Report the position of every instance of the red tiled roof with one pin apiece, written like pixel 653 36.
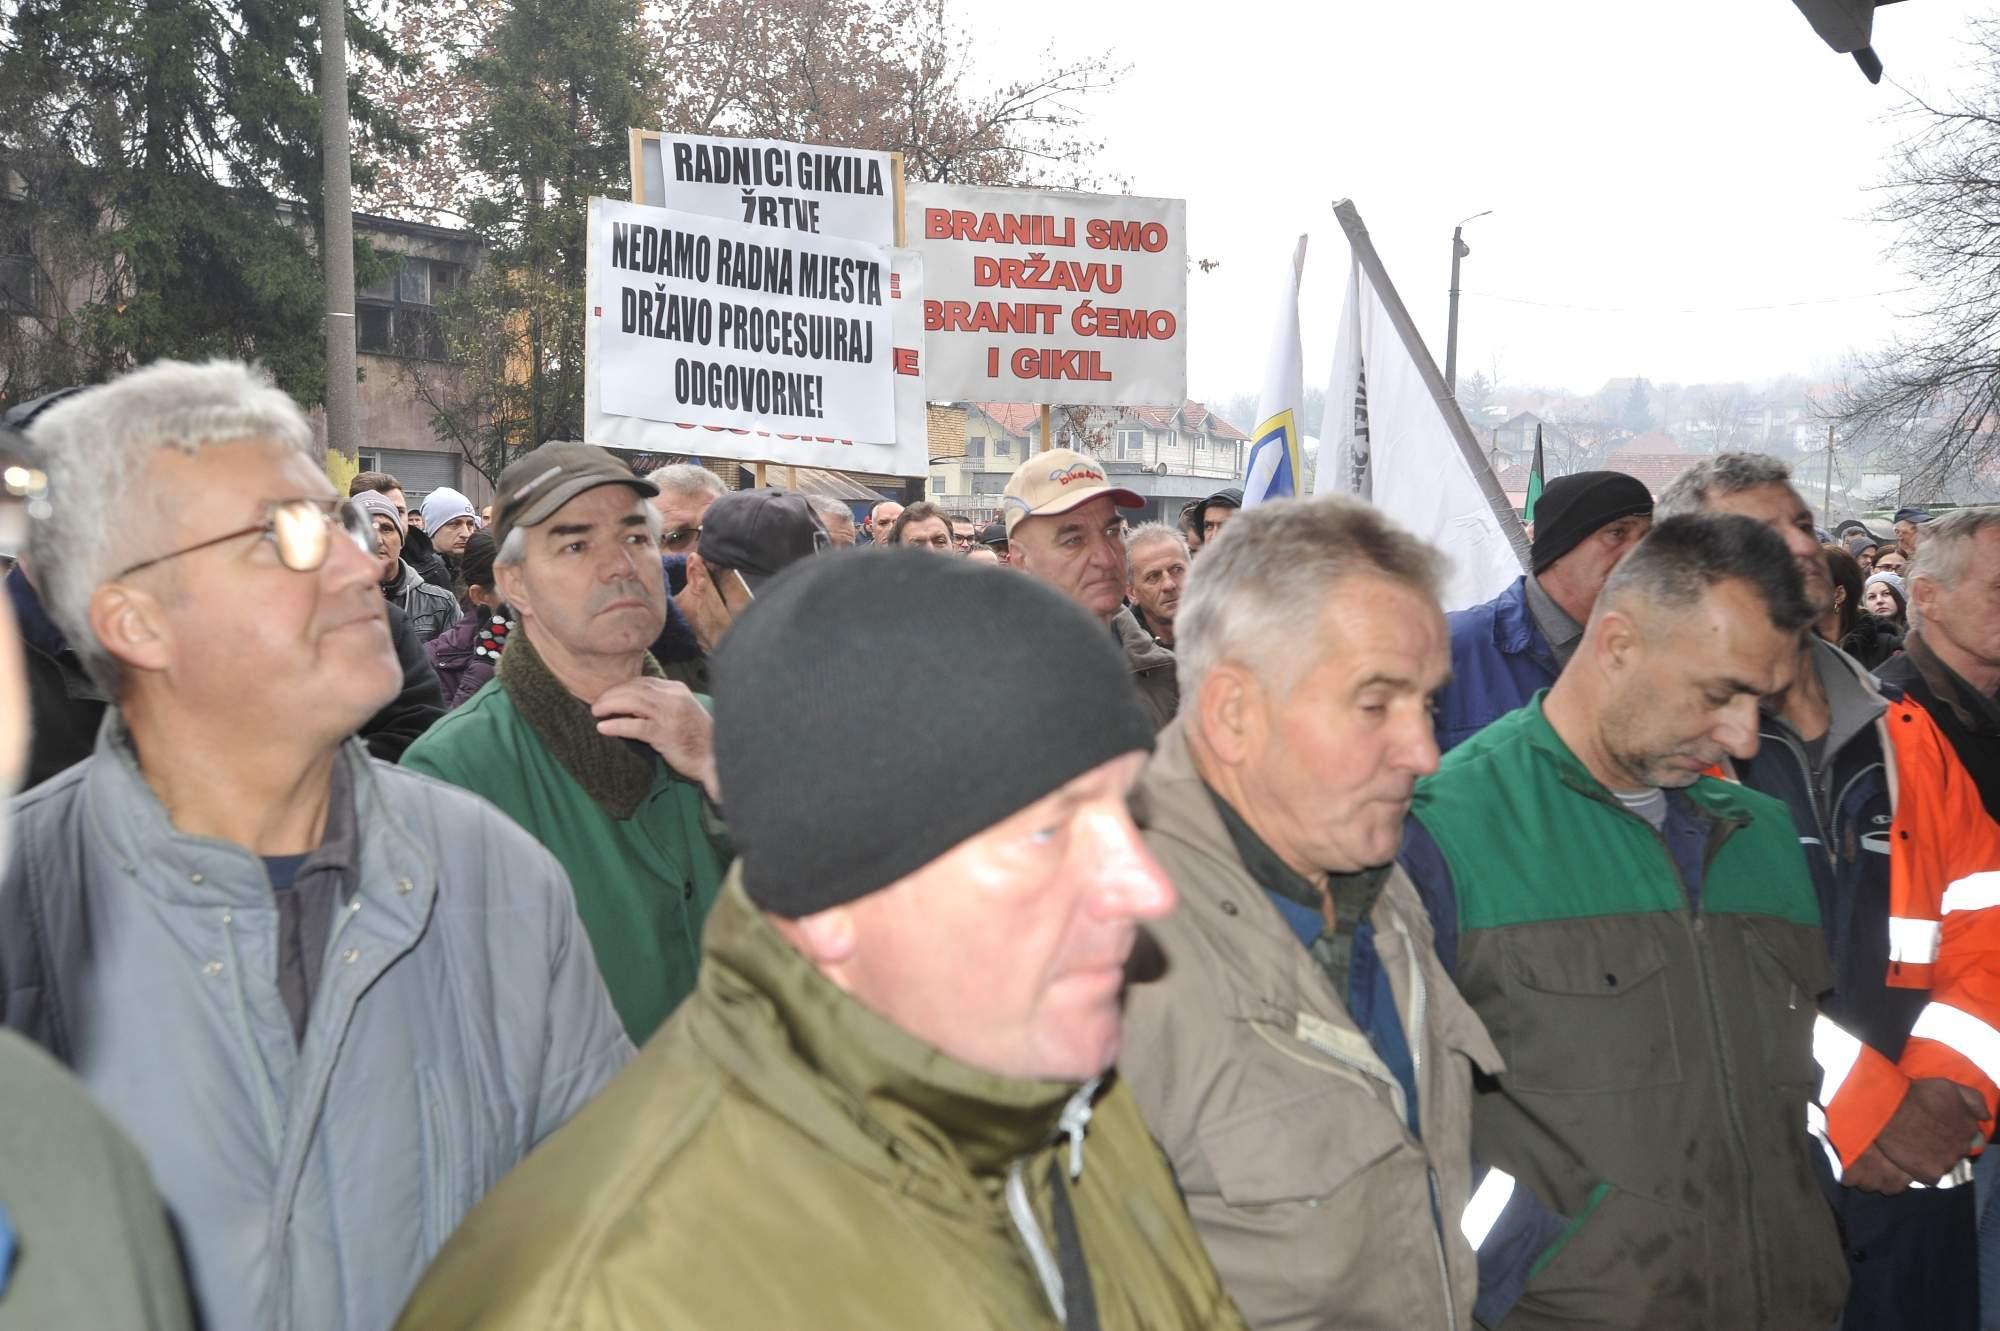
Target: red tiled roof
pixel 1013 417
pixel 1656 471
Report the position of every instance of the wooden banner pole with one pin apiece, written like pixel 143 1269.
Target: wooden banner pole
pixel 1047 443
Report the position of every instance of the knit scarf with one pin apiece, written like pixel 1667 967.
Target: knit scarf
pixel 615 773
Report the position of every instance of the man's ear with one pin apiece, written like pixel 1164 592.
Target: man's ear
pixel 1619 640
pixel 132 626
pixel 1230 706
pixel 513 588
pixel 826 938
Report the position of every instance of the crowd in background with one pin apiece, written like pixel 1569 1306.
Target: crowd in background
pixel 578 912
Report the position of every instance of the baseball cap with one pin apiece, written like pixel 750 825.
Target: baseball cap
pixel 1229 498
pixel 1056 482
pixel 534 487
pixel 759 533
pixel 1916 515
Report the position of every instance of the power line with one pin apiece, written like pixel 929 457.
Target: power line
pixel 1688 309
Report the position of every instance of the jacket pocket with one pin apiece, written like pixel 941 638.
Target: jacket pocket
pixel 444 1203
pixel 1588 1009
pixel 1788 971
pixel 1625 1262
pixel 1300 1149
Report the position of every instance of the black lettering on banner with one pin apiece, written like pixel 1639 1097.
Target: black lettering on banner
pixel 748 388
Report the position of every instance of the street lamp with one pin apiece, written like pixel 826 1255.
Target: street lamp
pixel 1459 249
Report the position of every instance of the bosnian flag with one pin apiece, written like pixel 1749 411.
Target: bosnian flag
pixel 1273 471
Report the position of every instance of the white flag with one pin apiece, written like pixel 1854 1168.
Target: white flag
pixel 1273 468
pixel 1386 438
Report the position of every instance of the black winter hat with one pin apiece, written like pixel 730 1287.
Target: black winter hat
pixel 1574 506
pixel 759 532
pixel 840 651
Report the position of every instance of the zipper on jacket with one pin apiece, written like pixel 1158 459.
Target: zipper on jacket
pixel 1022 1212
pixel 1419 997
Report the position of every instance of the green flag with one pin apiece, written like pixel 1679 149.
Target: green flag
pixel 1534 479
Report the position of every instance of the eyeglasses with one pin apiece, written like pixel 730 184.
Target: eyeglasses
pixel 24 500
pixel 301 529
pixel 679 539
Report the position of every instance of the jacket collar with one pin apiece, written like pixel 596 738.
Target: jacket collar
pixel 615 774
pixel 1974 712
pixel 1514 629
pixel 1141 652
pixel 899 1109
pixel 37 629
pixel 1715 797
pixel 1853 697
pixel 393 871
pixel 406 578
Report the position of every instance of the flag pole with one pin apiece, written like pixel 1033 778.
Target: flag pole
pixel 1406 328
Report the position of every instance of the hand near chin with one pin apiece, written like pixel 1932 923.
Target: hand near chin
pixel 667 716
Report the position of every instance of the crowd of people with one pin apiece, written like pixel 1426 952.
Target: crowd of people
pixel 579 913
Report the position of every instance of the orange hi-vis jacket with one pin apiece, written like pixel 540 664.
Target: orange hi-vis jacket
pixel 1944 936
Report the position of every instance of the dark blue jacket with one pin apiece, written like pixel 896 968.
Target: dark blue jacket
pixel 1499 660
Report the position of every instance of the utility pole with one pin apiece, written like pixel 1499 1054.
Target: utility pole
pixel 337 233
pixel 1459 249
pixel 1826 493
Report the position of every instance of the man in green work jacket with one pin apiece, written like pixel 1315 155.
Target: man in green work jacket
pixel 580 738
pixel 1643 943
pixel 886 1107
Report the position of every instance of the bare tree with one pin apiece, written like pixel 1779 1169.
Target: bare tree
pixel 1934 392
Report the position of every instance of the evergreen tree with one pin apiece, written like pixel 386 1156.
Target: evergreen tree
pixel 163 170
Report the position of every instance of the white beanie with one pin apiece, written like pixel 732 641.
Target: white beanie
pixel 442 505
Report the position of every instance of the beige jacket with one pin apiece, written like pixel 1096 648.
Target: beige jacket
pixel 1287 1133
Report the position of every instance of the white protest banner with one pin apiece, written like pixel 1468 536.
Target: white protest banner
pixel 1038 296
pixel 762 182
pixel 702 322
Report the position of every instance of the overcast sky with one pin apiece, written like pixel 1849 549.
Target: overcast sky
pixel 1653 170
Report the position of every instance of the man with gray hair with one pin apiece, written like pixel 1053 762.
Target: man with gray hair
pixel 331 1003
pixel 1326 1164
pixel 685 492
pixel 1899 848
pixel 1156 569
pixel 836 517
pixel 580 737
pixel 1642 940
pixel 1951 656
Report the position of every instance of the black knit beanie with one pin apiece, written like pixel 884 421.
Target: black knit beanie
pixel 849 693
pixel 1574 506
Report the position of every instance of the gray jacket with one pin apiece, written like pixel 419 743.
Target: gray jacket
pixel 459 1019
pixel 432 609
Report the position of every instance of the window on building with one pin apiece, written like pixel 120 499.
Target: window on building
pixel 396 315
pixel 17 283
pixel 975 445
pixel 1131 444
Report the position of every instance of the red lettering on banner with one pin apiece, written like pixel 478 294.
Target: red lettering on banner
pixel 904 359
pixel 999 228
pixel 1101 234
pixel 1055 363
pixel 960 316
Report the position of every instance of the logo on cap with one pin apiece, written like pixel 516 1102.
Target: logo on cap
pixel 1076 471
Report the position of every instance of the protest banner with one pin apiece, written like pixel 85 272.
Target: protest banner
pixel 1039 296
pixel 851 192
pixel 777 345
pixel 685 172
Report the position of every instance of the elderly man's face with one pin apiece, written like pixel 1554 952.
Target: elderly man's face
pixel 839 528
pixel 388 548
pixel 590 580
pixel 450 539
pixel 882 517
pixel 680 520
pixel 1008 952
pixel 1907 535
pixel 1157 575
pixel 1967 614
pixel 1778 506
pixel 245 642
pixel 1080 553
pixel 1330 765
